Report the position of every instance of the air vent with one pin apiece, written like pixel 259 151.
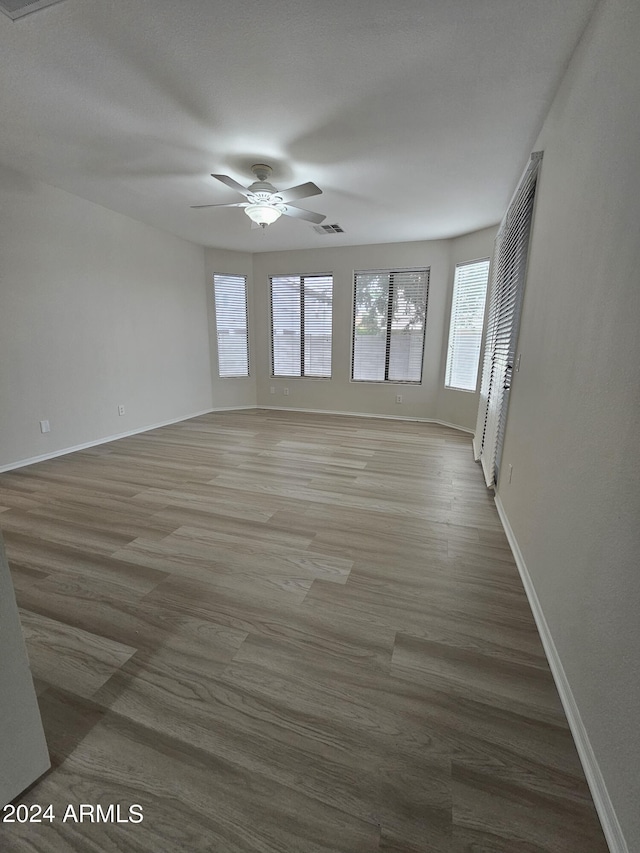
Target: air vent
pixel 329 229
pixel 19 8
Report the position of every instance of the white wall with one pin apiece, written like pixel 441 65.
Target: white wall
pixel 461 407
pixel 96 310
pixel 231 392
pixel 574 417
pixel 339 393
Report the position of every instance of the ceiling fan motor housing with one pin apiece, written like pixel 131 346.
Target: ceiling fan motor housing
pixel 262 190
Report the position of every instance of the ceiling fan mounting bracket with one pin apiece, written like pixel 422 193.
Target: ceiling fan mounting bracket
pixel 261 171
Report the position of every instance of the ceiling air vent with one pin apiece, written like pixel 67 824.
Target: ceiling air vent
pixel 329 229
pixel 19 8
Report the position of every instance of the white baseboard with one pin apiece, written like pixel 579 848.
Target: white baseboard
pixel 22 463
pixel 366 415
pixel 31 460
pixel 606 812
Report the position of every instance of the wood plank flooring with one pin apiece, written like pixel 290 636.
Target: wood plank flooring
pixel 286 633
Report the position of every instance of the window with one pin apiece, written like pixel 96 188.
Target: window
pixel 230 292
pixel 505 302
pixel 465 329
pixel 389 322
pixel 301 320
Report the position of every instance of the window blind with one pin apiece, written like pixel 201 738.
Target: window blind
pixel 465 328
pixel 389 322
pixel 230 294
pixel 505 302
pixel 301 325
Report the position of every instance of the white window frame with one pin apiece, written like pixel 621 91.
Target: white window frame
pixel 390 272
pixel 469 282
pixel 240 281
pixel 301 280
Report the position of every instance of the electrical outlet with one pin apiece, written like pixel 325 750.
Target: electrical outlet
pixel 121 410
pixel 272 390
pixel 286 392
pixel 44 426
pixel 398 398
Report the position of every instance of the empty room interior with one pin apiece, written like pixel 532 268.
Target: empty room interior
pixel 319 504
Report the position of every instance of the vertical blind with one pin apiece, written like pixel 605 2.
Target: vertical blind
pixel 301 325
pixel 465 329
pixel 389 322
pixel 505 302
pixel 230 293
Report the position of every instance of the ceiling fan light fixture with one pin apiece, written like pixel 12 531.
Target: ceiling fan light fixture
pixel 263 214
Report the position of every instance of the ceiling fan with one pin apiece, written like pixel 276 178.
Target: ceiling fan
pixel 265 204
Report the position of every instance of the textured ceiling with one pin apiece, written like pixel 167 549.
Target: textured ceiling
pixel 415 117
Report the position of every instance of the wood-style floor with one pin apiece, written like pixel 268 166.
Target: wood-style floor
pixel 286 633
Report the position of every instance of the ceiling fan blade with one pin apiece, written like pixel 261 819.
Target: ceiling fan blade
pixel 299 213
pixel 231 183
pixel 239 204
pixel 301 191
